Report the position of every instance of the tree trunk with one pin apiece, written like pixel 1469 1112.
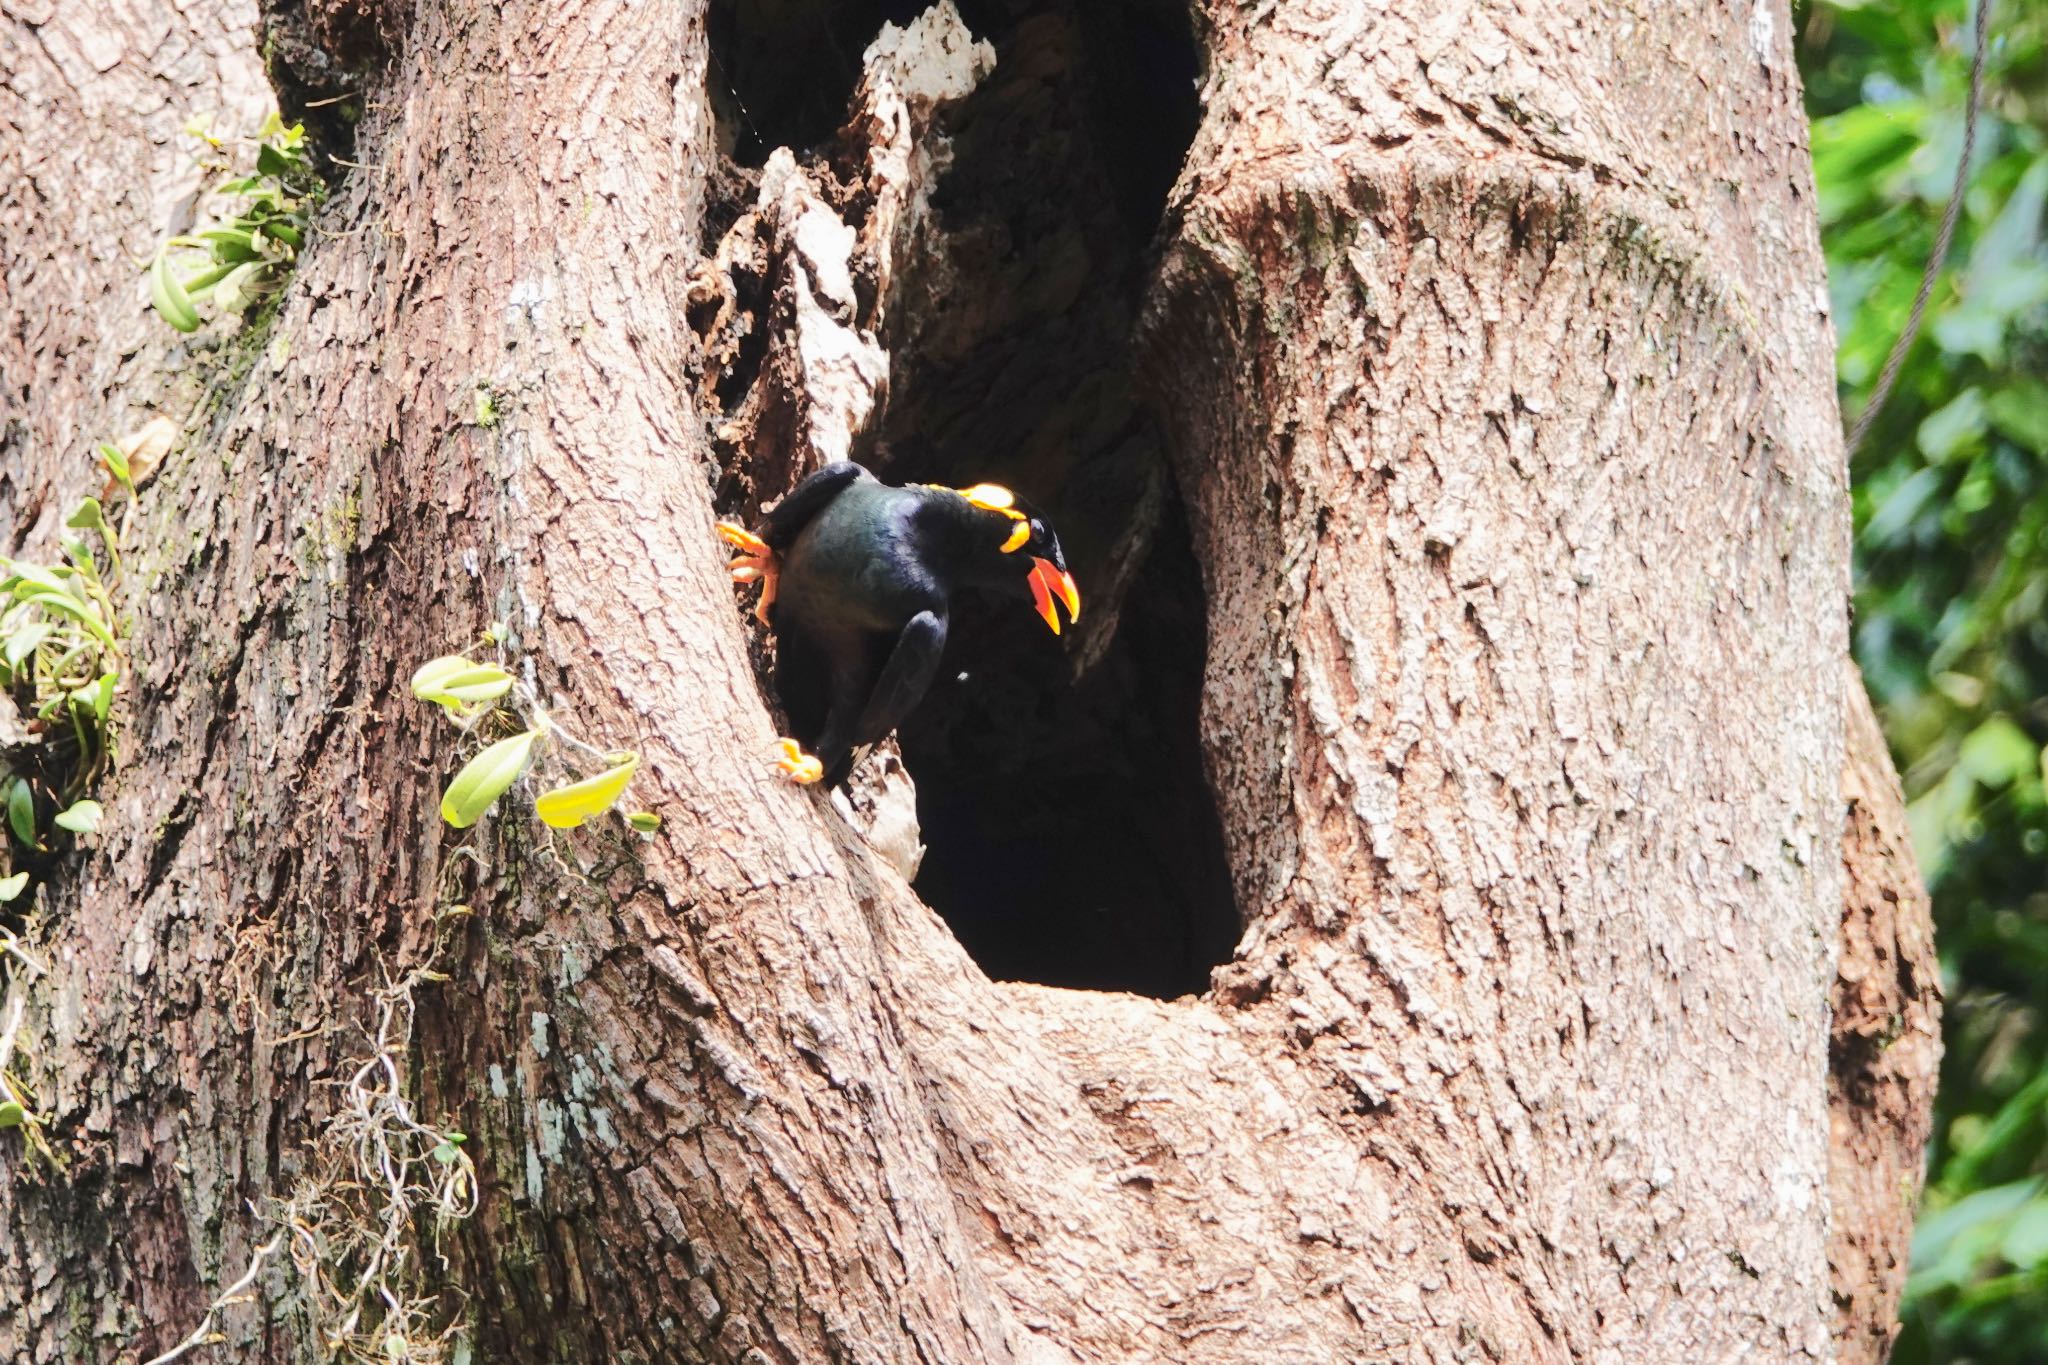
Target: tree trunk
pixel 1465 369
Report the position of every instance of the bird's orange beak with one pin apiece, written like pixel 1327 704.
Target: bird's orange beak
pixel 1049 582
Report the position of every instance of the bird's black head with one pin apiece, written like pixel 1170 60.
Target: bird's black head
pixel 1023 552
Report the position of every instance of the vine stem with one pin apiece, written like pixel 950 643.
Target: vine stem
pixel 1942 240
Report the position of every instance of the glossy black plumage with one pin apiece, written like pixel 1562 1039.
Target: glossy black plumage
pixel 862 578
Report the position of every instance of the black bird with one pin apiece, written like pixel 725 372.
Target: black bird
pixel 857 581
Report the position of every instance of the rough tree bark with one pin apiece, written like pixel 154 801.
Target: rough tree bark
pixel 1482 351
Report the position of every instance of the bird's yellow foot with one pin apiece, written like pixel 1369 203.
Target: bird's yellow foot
pixel 740 538
pixel 800 767
pixel 756 562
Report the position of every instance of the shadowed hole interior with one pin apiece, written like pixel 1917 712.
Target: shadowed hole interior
pixel 1071 836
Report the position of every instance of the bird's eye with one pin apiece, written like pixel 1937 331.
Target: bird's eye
pixel 1037 529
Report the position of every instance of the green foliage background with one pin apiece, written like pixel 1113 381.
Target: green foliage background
pixel 1952 594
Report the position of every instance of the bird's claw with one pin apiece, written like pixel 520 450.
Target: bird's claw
pixel 798 766
pixel 740 538
pixel 756 562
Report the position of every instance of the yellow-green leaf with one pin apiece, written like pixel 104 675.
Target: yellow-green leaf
pixel 88 517
pixel 10 887
pixel 204 279
pixel 117 461
pixel 12 1114
pixel 25 580
pixel 236 290
pixel 428 675
pixel 103 695
pixel 169 298
pixel 567 807
pixel 230 244
pixel 467 687
pixel 24 641
pixel 645 821
pixel 484 779
pixel 81 817
pixel 64 604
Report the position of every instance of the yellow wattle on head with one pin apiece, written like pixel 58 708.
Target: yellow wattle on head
pixel 991 497
pixel 1050 583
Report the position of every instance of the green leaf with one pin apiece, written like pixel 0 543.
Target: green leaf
pixel 479 683
pixel 88 517
pixel 201 281
pixel 281 151
pixel 445 1152
pixel 238 289
pixel 11 887
pixel 81 817
pixel 455 682
pixel 23 640
pixel 1854 151
pixel 2013 239
pixel 2026 1240
pixel 12 1114
pixel 1997 752
pixel 21 812
pixel 64 604
pixel 1955 428
pixel 117 463
pixel 484 779
pixel 1948 1243
pixel 169 298
pixel 428 676
pixel 569 806
pixel 231 246
pixel 96 698
pixel 645 821
pixel 26 580
pixel 2020 412
pixel 476 685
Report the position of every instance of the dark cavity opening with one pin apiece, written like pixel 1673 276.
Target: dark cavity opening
pixel 1071 836
pixel 783 70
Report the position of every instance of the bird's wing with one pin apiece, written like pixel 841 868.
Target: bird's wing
pixel 913 661
pixel 833 670
pixel 805 501
pixel 802 680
